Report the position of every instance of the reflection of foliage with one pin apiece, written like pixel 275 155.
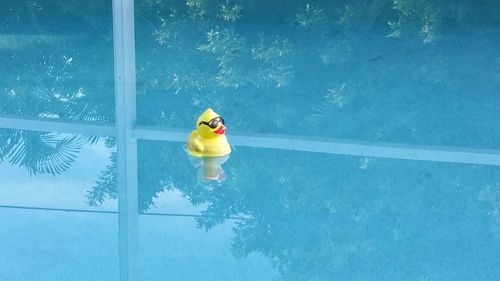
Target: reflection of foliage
pixel 317 216
pixel 46 73
pixel 314 221
pixel 277 53
pixel 197 8
pixel 106 185
pixel 54 77
pixel 336 96
pixel 274 57
pixel 38 152
pixel 330 224
pixel 226 45
pixel 152 177
pixel 230 12
pixel 49 88
pixel 310 16
pixel 429 15
pixel 168 30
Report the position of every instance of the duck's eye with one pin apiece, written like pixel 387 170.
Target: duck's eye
pixel 213 123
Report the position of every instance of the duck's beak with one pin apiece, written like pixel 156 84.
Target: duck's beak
pixel 221 130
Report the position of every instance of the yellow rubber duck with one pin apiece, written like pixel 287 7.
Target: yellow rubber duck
pixel 208 139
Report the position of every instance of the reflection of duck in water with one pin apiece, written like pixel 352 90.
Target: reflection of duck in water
pixel 208 144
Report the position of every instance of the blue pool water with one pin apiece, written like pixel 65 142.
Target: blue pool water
pixel 366 141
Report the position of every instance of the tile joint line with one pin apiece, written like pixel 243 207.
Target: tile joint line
pixel 293 143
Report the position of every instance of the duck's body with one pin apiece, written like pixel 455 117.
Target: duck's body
pixel 208 139
pixel 207 147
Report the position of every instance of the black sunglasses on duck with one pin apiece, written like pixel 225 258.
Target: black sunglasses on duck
pixel 213 123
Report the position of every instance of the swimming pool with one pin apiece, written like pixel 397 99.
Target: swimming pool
pixel 365 136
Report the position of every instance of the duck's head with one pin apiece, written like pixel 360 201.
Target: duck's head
pixel 210 124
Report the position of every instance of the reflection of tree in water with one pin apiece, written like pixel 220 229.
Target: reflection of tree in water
pixel 40 153
pixel 56 64
pixel 291 54
pixel 319 217
pixel 153 176
pixel 316 222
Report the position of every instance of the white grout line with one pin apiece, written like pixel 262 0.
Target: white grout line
pixel 341 147
pixel 394 151
pixel 159 134
pixel 56 125
pixel 295 143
